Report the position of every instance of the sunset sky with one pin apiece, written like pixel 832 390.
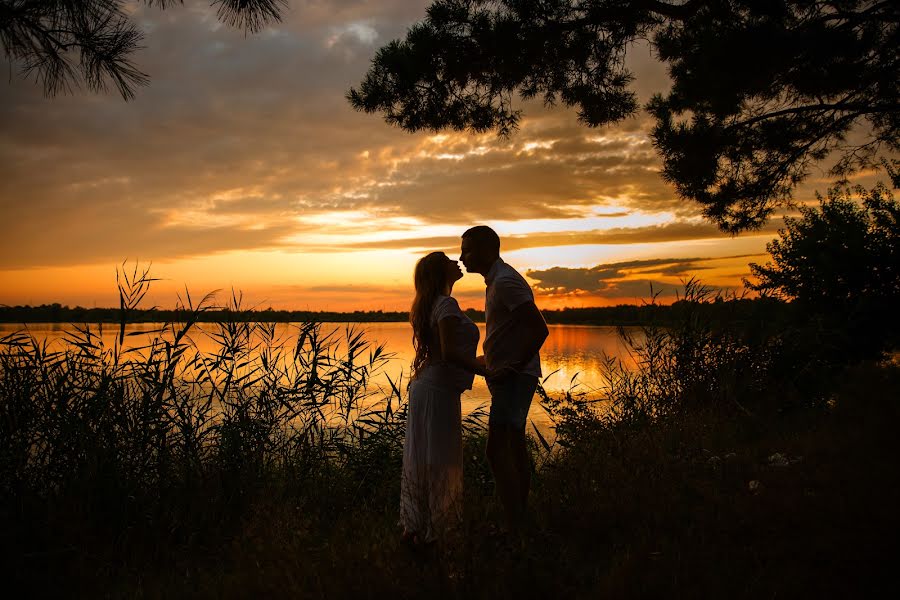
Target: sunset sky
pixel 242 166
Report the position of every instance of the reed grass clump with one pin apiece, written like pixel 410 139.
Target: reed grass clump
pixel 691 363
pixel 152 432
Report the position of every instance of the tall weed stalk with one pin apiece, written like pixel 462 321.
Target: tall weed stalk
pixel 152 421
pixel 721 361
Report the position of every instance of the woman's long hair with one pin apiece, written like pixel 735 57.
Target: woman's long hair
pixel 430 277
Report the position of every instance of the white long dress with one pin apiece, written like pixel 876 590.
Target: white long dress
pixel 431 482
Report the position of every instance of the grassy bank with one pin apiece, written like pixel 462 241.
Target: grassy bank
pixel 795 505
pixel 734 461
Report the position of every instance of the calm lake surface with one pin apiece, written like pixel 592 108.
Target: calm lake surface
pixel 573 355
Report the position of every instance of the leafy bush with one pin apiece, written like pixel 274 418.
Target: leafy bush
pixel 840 263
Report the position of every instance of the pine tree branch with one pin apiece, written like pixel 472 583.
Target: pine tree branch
pixel 858 108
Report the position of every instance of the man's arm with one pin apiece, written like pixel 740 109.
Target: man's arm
pixel 532 331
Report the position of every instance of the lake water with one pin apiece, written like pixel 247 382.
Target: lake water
pixel 573 355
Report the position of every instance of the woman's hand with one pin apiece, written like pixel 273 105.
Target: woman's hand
pixel 500 373
pixel 480 368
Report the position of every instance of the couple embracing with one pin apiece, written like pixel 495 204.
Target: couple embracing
pixel 445 364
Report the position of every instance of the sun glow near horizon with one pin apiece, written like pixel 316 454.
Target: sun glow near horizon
pixel 346 280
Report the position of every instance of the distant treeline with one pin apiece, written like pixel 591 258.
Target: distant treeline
pixel 623 314
pixel 56 313
pixel 756 309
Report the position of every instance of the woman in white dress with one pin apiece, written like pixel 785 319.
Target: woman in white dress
pixel 445 341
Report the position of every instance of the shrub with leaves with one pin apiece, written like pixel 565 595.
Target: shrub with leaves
pixel 840 262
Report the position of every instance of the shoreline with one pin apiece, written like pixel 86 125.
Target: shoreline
pixel 620 315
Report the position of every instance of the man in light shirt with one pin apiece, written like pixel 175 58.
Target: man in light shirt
pixel 515 333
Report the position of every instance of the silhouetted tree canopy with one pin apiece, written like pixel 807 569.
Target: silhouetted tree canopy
pixel 760 89
pixel 64 43
pixel 841 262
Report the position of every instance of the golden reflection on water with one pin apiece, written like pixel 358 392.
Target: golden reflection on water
pixel 571 358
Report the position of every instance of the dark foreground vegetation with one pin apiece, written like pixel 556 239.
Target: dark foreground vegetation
pixel 739 460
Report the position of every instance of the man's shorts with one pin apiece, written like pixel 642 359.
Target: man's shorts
pixel 510 399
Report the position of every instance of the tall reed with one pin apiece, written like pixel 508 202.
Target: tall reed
pixel 150 417
pixel 727 361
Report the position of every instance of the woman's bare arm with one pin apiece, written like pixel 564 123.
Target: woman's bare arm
pixel 450 350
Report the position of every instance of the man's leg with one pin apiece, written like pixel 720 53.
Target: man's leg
pixel 525 388
pixel 507 447
pixel 503 466
pixel 523 467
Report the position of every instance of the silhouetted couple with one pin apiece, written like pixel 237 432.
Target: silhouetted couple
pixel 445 365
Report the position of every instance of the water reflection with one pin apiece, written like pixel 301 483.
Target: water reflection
pixel 572 355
